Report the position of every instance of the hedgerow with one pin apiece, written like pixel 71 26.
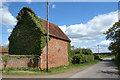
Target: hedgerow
pixel 82 58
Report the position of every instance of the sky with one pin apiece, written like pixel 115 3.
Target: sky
pixel 83 22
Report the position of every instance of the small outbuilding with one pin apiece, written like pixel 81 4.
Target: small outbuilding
pixel 29 37
pixel 3 51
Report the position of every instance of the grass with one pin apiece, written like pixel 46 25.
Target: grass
pixel 54 70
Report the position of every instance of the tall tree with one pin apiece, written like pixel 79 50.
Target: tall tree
pixel 113 34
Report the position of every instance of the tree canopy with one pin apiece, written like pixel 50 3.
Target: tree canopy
pixel 113 34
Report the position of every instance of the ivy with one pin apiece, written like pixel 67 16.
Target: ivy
pixel 70 52
pixel 28 37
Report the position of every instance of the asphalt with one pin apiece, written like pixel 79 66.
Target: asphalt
pixel 104 69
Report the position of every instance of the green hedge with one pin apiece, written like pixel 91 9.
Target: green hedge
pixel 81 58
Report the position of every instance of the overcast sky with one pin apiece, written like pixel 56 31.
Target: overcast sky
pixel 83 22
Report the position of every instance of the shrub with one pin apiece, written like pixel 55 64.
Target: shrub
pixel 79 58
pixel 87 51
pixel 90 58
pixel 117 60
pixel 97 57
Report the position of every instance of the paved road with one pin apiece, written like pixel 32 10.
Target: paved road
pixel 104 69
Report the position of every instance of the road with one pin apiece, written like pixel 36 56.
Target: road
pixel 103 69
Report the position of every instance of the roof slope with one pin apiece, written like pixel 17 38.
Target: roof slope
pixel 55 31
pixel 3 50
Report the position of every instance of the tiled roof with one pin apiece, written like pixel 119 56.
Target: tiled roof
pixel 55 31
pixel 3 50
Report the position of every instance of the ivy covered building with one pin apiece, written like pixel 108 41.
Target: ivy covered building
pixel 29 37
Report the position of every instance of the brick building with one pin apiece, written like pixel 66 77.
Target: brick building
pixel 3 51
pixel 58 47
pixel 28 38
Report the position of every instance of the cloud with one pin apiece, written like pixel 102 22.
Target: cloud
pixel 9 30
pixel 92 30
pixel 63 28
pixel 6 18
pixel 53 6
pixel 4 44
pixel 29 1
pixel 103 46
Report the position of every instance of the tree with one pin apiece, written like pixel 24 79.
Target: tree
pixel 113 34
pixel 87 51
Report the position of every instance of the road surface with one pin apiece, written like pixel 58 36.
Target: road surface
pixel 103 69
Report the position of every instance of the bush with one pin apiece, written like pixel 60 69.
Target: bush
pixel 81 58
pixel 117 60
pixel 87 51
pixel 97 57
pixel 90 58
pixel 78 58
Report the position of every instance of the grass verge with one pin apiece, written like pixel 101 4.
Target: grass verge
pixel 54 70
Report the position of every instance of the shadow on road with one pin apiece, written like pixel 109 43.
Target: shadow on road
pixel 109 64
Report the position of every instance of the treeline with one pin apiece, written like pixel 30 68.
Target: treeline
pixel 82 55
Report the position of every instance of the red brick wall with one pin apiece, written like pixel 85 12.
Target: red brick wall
pixel 17 62
pixel 58 54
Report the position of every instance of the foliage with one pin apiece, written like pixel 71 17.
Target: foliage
pixel 28 37
pixel 97 57
pixel 83 51
pixel 5 59
pixel 117 60
pixel 113 34
pixel 90 58
pixel 82 58
pixel 70 52
pixel 87 51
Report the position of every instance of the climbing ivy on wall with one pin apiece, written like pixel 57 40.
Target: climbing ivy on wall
pixel 28 37
pixel 70 52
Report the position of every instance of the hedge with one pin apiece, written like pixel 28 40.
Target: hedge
pixel 82 58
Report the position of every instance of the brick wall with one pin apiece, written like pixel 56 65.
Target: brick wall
pixel 58 54
pixel 20 62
